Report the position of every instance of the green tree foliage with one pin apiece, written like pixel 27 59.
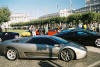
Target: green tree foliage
pixel 88 17
pixel 75 19
pixel 4 15
pixel 98 17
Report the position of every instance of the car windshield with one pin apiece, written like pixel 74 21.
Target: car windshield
pixel 60 40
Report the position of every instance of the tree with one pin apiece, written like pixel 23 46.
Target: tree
pixel 4 15
pixel 88 17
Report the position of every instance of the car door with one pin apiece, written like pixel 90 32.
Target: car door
pixel 48 47
pixel 38 48
pixel 70 36
pixel 83 37
pixel 44 47
pixel 6 36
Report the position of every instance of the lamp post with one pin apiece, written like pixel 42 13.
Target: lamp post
pixel 57 5
pixel 70 4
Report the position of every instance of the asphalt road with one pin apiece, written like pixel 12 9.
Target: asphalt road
pixel 91 60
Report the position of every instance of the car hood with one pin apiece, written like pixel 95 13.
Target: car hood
pixel 76 45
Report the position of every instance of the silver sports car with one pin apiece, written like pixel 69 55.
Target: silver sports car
pixel 42 47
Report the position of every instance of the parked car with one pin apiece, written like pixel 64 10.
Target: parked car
pixel 42 47
pixel 52 31
pixel 8 35
pixel 82 36
pixel 26 33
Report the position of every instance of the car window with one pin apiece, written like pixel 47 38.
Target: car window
pixel 34 40
pixel 59 40
pixel 42 40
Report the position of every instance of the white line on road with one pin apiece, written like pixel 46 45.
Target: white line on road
pixel 94 64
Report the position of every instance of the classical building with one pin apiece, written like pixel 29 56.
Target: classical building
pixel 50 15
pixel 16 18
pixel 90 5
pixel 61 13
pixel 91 2
pixel 65 12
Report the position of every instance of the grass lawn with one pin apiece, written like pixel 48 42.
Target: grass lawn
pixel 18 31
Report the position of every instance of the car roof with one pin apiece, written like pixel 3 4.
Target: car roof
pixel 40 36
pixel 77 29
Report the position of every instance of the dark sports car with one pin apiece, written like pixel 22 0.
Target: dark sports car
pixel 82 36
pixel 8 35
pixel 42 47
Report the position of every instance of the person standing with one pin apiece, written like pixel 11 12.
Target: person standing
pixel 32 30
pixel 85 26
pixel 46 29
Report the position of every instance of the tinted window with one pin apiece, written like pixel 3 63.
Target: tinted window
pixel 42 40
pixel 59 40
pixel 47 41
pixel 34 40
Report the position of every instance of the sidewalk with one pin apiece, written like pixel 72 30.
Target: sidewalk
pixel 93 49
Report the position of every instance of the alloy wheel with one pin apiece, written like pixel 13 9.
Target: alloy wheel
pixel 11 54
pixel 65 55
pixel 97 42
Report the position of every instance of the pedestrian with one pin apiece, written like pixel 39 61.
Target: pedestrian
pixel 85 26
pixel 41 31
pixel 0 29
pixel 32 30
pixel 99 27
pixel 46 29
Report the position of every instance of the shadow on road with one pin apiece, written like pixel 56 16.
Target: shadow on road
pixel 38 59
pixel 45 64
pixel 48 64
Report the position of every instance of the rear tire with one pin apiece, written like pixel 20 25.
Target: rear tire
pixel 11 54
pixel 67 55
pixel 97 42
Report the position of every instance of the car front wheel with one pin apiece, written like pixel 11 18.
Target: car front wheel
pixel 11 54
pixel 67 55
pixel 97 42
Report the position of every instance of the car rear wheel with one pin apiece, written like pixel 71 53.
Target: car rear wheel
pixel 67 55
pixel 11 54
pixel 97 42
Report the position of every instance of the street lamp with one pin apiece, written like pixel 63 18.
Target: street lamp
pixel 57 4
pixel 70 5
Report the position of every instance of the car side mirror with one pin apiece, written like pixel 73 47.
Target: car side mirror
pixel 6 33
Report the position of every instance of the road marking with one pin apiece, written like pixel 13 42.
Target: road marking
pixel 94 64
pixel 93 49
